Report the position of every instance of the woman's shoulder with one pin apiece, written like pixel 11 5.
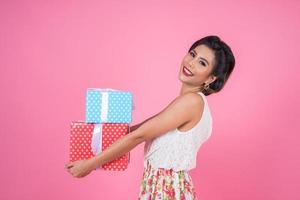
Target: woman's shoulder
pixel 192 103
pixel 192 98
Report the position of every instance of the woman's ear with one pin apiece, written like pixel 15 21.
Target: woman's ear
pixel 212 78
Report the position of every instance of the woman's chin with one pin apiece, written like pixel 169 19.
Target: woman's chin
pixel 182 79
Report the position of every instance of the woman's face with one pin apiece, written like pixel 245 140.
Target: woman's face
pixel 196 66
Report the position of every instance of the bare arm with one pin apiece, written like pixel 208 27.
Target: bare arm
pixel 134 127
pixel 178 112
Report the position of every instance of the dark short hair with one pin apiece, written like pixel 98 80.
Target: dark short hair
pixel 224 61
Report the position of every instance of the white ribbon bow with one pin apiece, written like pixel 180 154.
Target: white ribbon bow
pixel 96 143
pixel 104 103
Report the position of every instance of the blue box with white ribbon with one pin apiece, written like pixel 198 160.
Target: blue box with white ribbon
pixel 108 106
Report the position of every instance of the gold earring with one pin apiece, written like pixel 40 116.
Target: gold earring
pixel 206 86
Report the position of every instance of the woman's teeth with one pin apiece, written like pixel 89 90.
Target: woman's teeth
pixel 187 72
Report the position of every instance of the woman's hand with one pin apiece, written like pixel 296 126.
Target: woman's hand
pixel 80 168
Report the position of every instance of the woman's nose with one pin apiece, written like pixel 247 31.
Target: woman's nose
pixel 191 62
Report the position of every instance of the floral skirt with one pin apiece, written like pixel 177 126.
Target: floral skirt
pixel 166 184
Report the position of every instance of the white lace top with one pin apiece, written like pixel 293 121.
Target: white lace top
pixel 177 149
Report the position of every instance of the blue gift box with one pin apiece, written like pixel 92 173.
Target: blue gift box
pixel 108 106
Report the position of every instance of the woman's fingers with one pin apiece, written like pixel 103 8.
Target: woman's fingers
pixel 69 165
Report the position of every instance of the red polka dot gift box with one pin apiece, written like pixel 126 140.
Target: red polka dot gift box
pixel 90 139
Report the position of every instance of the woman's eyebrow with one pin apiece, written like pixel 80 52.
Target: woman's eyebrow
pixel 201 57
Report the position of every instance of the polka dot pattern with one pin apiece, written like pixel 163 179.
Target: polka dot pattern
pixel 81 138
pixel 120 106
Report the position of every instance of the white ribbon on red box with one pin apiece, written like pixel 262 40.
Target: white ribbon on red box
pixel 96 143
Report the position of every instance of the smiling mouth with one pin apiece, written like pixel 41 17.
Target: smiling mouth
pixel 186 71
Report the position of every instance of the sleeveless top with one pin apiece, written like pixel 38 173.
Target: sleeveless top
pixel 177 149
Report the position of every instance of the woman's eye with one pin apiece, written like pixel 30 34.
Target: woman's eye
pixel 202 63
pixel 192 54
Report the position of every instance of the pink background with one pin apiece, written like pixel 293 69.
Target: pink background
pixel 52 51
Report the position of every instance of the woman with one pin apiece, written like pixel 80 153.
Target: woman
pixel 173 136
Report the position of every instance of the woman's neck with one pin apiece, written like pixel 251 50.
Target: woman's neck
pixel 186 89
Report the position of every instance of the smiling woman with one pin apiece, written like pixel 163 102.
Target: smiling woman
pixel 168 157
pixel 173 136
pixel 209 56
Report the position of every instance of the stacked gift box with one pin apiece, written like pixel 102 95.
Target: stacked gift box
pixel 107 118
